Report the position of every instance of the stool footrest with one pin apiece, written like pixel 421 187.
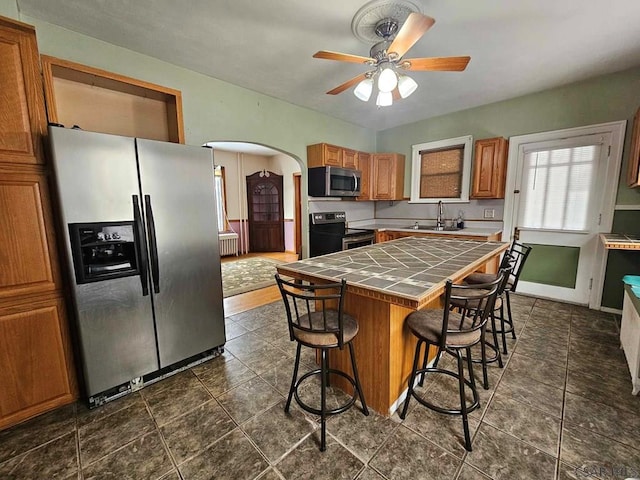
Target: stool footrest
pixel 334 411
pixel 449 411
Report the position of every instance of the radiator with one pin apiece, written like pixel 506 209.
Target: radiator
pixel 228 243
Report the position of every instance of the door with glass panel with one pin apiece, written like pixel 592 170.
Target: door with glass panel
pixel 558 209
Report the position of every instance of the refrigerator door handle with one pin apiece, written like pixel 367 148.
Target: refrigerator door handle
pixel 153 245
pixel 142 244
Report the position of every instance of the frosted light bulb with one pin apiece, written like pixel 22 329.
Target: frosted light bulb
pixel 384 99
pixel 388 80
pixel 364 89
pixel 406 86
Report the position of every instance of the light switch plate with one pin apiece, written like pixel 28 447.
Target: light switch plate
pixel 489 213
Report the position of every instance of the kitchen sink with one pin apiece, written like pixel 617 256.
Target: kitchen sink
pixel 433 228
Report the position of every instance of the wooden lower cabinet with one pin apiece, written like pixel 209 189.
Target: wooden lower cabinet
pixel 28 258
pixel 37 373
pixel 36 367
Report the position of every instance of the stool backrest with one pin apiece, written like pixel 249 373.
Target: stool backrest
pixel 467 307
pixel 519 253
pixel 314 308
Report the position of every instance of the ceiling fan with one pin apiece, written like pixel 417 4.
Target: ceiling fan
pixel 388 62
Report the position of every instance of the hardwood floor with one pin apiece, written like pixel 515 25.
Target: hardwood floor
pixel 247 301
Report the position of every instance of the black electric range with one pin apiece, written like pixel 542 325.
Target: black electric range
pixel 328 234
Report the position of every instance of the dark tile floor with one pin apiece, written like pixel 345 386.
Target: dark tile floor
pixel 560 409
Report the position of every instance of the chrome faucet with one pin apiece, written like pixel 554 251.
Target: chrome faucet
pixel 440 216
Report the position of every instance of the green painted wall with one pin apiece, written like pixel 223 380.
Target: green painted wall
pixel 9 8
pixel 216 110
pixel 621 262
pixel 599 100
pixel 213 109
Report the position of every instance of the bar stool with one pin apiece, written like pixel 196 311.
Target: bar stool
pixel 455 328
pixel 317 320
pixel 503 273
pixel 516 256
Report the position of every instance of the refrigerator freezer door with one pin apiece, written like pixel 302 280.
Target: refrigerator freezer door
pixel 97 176
pixel 178 186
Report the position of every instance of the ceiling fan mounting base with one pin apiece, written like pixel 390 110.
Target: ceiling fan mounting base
pixel 386 28
pixel 380 15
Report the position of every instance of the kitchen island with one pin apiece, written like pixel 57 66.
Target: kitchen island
pixel 386 282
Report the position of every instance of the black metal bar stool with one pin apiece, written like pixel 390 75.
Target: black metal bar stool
pixel 317 320
pixel 516 256
pixel 455 328
pixel 503 274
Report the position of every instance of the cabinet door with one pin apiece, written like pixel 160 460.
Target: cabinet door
pixel 21 98
pixel 27 261
pixel 349 158
pixel 35 360
pixel 331 155
pixel 383 171
pixel 364 165
pixel 489 168
pixel 387 176
pixel 633 172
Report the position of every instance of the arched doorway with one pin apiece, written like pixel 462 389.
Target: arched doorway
pixel 242 159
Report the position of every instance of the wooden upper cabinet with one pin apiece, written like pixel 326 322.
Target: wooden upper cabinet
pixel 322 154
pixel 102 101
pixel 22 113
pixel 364 165
pixel 387 176
pixel 349 158
pixel 633 172
pixel 489 168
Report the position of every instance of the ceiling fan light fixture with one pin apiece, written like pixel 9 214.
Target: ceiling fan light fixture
pixel 385 99
pixel 387 80
pixel 364 89
pixel 406 85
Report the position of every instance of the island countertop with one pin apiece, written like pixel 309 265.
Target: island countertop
pixel 385 283
pixel 410 271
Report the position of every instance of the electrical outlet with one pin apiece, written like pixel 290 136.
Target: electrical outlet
pixel 489 213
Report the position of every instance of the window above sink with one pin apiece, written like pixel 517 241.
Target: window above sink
pixel 441 171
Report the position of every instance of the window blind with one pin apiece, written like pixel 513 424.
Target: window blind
pixel 555 188
pixel 441 173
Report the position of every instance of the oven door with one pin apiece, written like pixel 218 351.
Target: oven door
pixel 357 241
pixel 321 243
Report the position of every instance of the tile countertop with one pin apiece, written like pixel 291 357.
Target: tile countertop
pixel 411 268
pixel 618 241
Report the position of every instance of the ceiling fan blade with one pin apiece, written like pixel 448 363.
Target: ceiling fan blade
pixel 412 29
pixel 443 64
pixel 342 57
pixel 347 84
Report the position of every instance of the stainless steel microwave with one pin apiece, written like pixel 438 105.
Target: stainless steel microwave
pixel 331 181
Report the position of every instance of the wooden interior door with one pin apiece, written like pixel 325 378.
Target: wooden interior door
pixel 266 214
pixel 297 208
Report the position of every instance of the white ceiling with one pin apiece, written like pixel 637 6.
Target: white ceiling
pixel 516 46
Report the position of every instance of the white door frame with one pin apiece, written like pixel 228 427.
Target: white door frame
pixel 616 130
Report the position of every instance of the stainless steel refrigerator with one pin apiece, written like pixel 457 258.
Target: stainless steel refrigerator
pixel 140 227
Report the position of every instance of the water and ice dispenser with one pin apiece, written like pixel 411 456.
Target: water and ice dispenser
pixel 103 251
